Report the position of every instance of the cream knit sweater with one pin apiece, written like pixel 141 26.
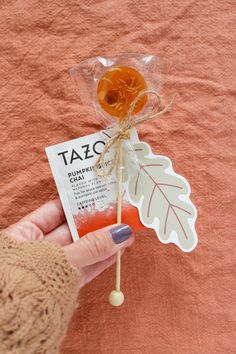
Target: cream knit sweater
pixel 38 292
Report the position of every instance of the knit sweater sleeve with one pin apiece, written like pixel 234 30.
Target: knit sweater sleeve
pixel 38 292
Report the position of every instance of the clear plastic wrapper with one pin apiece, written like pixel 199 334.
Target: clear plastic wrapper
pixel 88 75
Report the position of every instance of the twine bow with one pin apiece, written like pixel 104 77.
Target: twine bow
pixel 124 131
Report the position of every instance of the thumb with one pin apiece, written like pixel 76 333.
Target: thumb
pixel 99 245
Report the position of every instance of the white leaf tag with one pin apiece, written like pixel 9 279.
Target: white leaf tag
pixel 161 196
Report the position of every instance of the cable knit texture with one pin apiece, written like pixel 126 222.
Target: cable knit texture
pixel 38 291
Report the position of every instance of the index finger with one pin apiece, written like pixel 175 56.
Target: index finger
pixel 48 216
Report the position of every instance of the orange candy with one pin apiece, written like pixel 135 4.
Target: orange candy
pixel 117 89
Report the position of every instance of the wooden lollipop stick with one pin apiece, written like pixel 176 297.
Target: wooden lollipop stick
pixel 116 297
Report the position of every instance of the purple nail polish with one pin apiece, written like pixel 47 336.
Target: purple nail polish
pixel 120 233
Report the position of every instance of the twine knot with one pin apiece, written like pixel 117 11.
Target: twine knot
pixel 123 133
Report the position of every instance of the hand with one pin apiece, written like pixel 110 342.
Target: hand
pixel 92 254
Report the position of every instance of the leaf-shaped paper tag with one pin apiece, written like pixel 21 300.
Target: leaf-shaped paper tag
pixel 161 196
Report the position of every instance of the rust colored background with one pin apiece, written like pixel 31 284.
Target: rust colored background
pixel 175 302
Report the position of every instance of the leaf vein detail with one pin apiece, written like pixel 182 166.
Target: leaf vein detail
pixel 170 206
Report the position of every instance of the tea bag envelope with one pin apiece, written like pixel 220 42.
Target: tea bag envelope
pixel 89 202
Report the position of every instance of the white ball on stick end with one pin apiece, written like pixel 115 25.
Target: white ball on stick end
pixel 116 298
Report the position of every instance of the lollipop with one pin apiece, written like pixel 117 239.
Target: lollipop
pixel 122 92
pixel 118 88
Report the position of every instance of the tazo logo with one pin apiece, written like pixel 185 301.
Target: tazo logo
pixel 86 152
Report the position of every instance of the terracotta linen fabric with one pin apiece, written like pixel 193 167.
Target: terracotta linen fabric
pixel 175 302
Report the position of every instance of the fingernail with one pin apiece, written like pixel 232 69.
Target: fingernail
pixel 120 233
